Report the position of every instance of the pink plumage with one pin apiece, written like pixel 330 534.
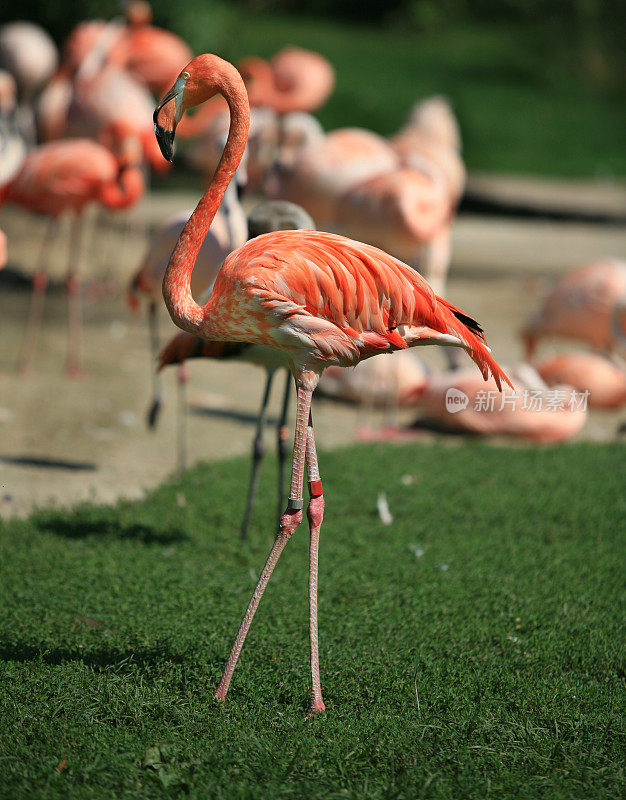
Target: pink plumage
pixel 580 306
pixel 604 380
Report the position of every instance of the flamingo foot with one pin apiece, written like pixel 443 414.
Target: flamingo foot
pixel 316 707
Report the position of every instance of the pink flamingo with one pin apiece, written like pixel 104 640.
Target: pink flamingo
pixel 319 298
pixel 113 100
pixel 293 80
pixel 93 102
pixel 430 142
pixel 154 56
pixel 457 402
pixel 580 307
pixel 434 118
pixel 60 177
pixel 417 150
pixel 326 169
pixel 602 378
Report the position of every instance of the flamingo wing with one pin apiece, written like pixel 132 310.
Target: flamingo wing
pixel 372 301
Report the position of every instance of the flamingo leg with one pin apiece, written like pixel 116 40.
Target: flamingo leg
pixel 283 445
pixel 181 438
pixel 157 395
pixel 258 451
pixel 289 521
pixel 35 311
pixel 73 301
pixel 315 514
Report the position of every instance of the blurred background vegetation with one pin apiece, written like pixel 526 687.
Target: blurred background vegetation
pixel 538 85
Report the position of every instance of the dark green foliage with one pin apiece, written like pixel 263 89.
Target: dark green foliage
pixel 496 597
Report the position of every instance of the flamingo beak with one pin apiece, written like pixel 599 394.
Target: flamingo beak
pixel 167 115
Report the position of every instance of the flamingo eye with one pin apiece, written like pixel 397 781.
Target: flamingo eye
pixel 185 75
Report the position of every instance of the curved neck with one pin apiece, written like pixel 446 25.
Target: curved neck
pixel 184 310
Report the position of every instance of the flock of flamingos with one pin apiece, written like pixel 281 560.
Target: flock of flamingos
pixel 278 291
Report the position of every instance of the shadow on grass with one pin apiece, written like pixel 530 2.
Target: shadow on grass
pixel 98 660
pixel 82 527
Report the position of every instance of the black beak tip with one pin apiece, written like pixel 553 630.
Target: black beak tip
pixel 166 141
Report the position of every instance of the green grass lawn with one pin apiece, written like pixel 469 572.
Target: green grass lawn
pixel 496 598
pixel 524 101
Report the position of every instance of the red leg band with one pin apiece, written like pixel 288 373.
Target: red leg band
pixel 315 488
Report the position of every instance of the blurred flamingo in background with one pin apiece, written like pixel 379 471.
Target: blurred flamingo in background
pixel 67 176
pixel 435 118
pixel 293 80
pixel 30 55
pixel 273 216
pixel 319 298
pixel 459 402
pixel 318 176
pixel 580 307
pixel 388 382
pixel 602 378
pixel 153 56
pixel 431 142
pixel 91 99
pixel 109 101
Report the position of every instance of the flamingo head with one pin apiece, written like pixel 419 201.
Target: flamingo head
pixel 203 78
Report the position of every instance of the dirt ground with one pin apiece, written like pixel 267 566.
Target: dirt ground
pixel 63 441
